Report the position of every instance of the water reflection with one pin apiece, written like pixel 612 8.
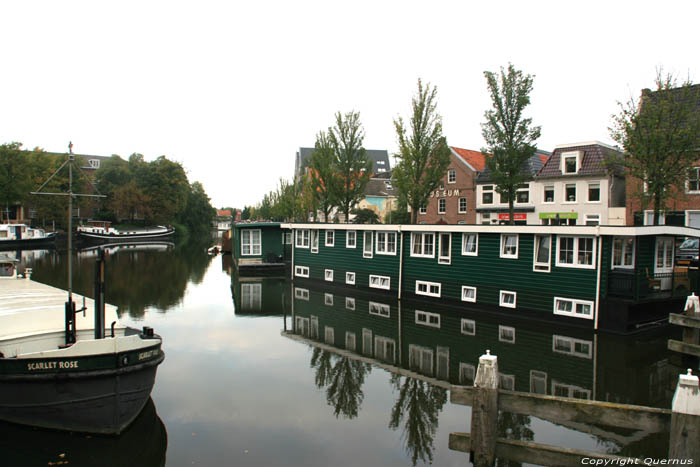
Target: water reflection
pixel 167 267
pixel 342 378
pixel 144 443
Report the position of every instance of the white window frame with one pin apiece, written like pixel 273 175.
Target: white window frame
pixel 423 210
pixel 381 346
pixel 379 309
pixel 328 299
pixel 302 294
pixel 649 217
pixel 624 244
pixel 502 338
pixel 566 197
pixel 328 275
pixel 314 240
pixel 576 264
pixel 251 245
pixel 367 341
pixel 469 371
pixel 442 205
pixel 696 172
pixel 302 238
pixel 348 235
pixel 426 318
pixel 539 266
pixel 442 363
pixel 592 217
pixel 382 243
pixel 350 303
pixel 524 189
pixel 350 278
pixel 94 163
pixel 314 327
pixel 506 382
pixel 444 259
pixel 588 195
pixel 367 252
pixel 572 346
pixel 487 189
pixel 544 194
pixel 421 236
pixel 571 390
pixel 464 297
pixel 332 242
pixel 429 286
pixel 465 237
pixel 379 282
pixel 350 341
pixel 451 176
pixel 329 335
pixel 251 296
pixel 504 240
pixel 535 376
pixel 503 303
pixel 472 323
pixel 459 205
pixel 569 155
pixel 574 303
pixel 416 360
pixel 288 238
pixel 301 271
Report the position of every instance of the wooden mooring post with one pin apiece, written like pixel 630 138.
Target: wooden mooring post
pixel 484 446
pixel 690 320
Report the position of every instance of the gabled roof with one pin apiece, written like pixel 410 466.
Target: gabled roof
pixel 379 158
pixel 593 162
pixel 529 168
pixel 380 187
pixel 475 160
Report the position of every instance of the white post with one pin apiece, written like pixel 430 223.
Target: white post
pixel 685 419
pixel 485 411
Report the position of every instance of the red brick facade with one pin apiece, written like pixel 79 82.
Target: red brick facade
pixel 681 203
pixel 465 165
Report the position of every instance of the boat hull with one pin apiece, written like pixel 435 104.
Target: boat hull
pixel 50 239
pixel 125 238
pixel 101 401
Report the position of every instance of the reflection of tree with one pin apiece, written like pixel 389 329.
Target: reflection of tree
pixel 343 378
pixel 419 404
pixel 516 427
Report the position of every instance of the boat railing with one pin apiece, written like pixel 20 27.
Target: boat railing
pixel 642 284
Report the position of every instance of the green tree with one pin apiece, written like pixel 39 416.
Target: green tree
pixel 167 186
pixel 198 214
pixel 510 137
pixel 245 214
pixel 322 175
pixel 423 154
pixel 351 164
pixel 365 216
pixel 15 177
pixel 660 138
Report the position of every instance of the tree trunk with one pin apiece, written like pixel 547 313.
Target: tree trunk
pixel 511 214
pixel 657 207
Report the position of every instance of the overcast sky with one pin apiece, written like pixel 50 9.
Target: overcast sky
pixel 232 89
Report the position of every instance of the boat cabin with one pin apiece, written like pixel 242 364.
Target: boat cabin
pixel 260 245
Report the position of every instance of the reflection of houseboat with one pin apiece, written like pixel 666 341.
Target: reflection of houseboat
pixel 249 299
pixel 598 277
pixel 444 343
pixel 102 231
pixel 21 235
pixel 113 248
pixel 260 247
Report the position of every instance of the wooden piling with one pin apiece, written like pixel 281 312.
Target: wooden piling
pixel 685 419
pixel 485 412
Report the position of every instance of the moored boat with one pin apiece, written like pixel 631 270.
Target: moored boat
pixel 21 235
pixel 102 231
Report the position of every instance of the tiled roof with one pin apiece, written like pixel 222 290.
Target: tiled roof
pixel 529 168
pixel 474 158
pixel 380 187
pixel 691 93
pixel 593 162
pixel 379 158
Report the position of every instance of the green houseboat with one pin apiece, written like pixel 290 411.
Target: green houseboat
pixel 619 279
pixel 260 247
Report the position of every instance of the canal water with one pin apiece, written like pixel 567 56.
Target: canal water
pixel 265 372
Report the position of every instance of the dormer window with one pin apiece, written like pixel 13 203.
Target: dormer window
pixel 388 185
pixel 570 162
pixel 94 163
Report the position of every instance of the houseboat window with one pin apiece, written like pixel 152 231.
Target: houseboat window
pixel 664 253
pixel 570 193
pixel 468 327
pixel 251 296
pixel 366 341
pixel 507 299
pixel 350 278
pixel 330 238
pixel 594 192
pixel 302 326
pixel 570 165
pixel 506 334
pixel 329 275
pixel 543 247
pixel 467 372
pixel 573 307
pixel 367 247
pixel 506 382
pixel 431 289
pixel 423 244
pixel 468 294
pixel 569 390
pixel 623 252
pixel 350 340
pixel 462 205
pixel 445 249
pixel 386 243
pixel 351 239
pixel 302 240
pixel 384 349
pixel 301 271
pixel 538 382
pixel 250 242
pixel 288 238
pixel 328 299
pixel 428 319
pixel 523 195
pixel 301 293
pixel 470 244
pixel 329 335
pixel 350 303
pixel 314 327
pixel 576 252
pixel 420 359
pixel 509 245
pixel 443 363
pixel 592 219
pixel 571 346
pixel 314 241
pixel 442 202
pixel 549 193
pixel 451 176
pixel 487 194
pixel 379 282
